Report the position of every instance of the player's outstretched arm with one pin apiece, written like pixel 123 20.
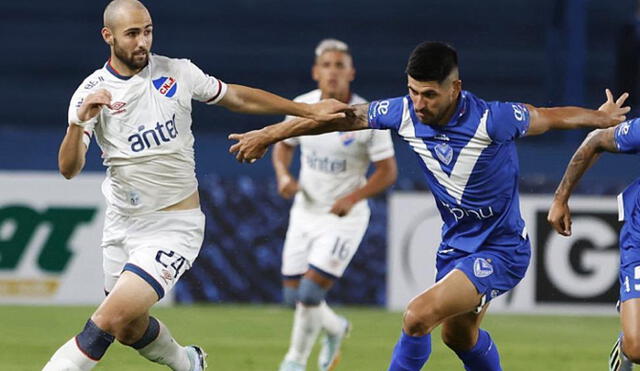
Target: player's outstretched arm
pixel 239 98
pixel 253 145
pixel 281 160
pixel 598 141
pixel 609 114
pixel 71 156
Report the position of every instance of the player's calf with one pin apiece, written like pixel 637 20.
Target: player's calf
pixel 631 345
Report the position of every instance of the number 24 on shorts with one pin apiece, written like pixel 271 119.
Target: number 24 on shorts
pixel 171 259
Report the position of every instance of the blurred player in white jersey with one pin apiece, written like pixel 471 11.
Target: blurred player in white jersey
pixel 330 213
pixel 139 107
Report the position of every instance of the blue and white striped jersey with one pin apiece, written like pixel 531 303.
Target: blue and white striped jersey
pixel 627 140
pixel 470 164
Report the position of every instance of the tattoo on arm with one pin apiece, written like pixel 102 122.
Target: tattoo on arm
pixel 359 118
pixel 587 154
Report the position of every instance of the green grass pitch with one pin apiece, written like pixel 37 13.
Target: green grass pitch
pixel 247 338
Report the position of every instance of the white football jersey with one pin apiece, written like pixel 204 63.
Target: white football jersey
pixel 334 164
pixel 146 136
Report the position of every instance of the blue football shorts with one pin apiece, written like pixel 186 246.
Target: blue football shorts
pixel 629 264
pixel 492 271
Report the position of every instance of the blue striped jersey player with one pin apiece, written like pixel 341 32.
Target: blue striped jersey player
pixel 465 147
pixel 624 138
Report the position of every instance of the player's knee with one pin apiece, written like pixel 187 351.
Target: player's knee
pixel 94 340
pixel 118 325
pixel 631 347
pixel 419 319
pixel 290 296
pixel 310 293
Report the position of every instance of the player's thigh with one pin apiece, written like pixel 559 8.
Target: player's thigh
pixel 128 302
pixel 164 245
pixel 332 252
pixel 452 295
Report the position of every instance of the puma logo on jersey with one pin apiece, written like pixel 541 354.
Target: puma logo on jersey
pixel 166 86
pixel 147 138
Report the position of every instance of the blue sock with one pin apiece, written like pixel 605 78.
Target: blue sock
pixel 410 353
pixel 483 356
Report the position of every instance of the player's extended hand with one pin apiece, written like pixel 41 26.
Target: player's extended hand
pixel 328 109
pixel 343 205
pixel 251 145
pixel 287 186
pixel 614 109
pixel 93 103
pixel 560 218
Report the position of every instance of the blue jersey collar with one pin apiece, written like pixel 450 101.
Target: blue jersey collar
pixel 461 109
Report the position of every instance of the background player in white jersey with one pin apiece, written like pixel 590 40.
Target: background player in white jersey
pixel 466 149
pixel 139 107
pixel 330 213
pixel 624 138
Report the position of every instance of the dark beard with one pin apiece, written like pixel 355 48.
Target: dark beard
pixel 130 62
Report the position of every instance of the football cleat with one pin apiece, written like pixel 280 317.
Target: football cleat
pixel 329 356
pixel 617 359
pixel 291 366
pixel 197 356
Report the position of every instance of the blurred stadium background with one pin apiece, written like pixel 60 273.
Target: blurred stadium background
pixel 543 52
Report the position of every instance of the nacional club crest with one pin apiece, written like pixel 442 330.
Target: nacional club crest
pixel 482 267
pixel 167 86
pixel 347 137
pixel 444 152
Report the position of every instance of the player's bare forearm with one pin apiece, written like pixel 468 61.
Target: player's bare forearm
pixel 254 144
pixel 71 157
pixel 567 118
pixel 354 120
pixel 610 113
pixel 383 177
pixel 585 156
pixel 244 99
pixel 281 158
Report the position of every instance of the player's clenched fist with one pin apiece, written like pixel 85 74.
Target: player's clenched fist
pixel 93 103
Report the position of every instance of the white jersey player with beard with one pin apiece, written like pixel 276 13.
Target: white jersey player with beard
pixel 147 146
pixel 138 106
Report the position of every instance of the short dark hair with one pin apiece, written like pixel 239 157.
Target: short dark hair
pixel 432 61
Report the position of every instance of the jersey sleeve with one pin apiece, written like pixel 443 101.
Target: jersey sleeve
pixel 205 88
pixel 627 136
pixel 86 88
pixel 380 145
pixel 507 121
pixel 386 114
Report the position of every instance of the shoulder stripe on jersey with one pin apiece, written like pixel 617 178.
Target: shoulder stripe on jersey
pixel 217 94
pixel 455 183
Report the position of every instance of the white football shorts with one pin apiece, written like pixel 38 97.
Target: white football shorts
pixel 324 242
pixel 159 247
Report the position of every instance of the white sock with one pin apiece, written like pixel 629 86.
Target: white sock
pixel 331 322
pixel 69 358
pixel 166 351
pixel 307 322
